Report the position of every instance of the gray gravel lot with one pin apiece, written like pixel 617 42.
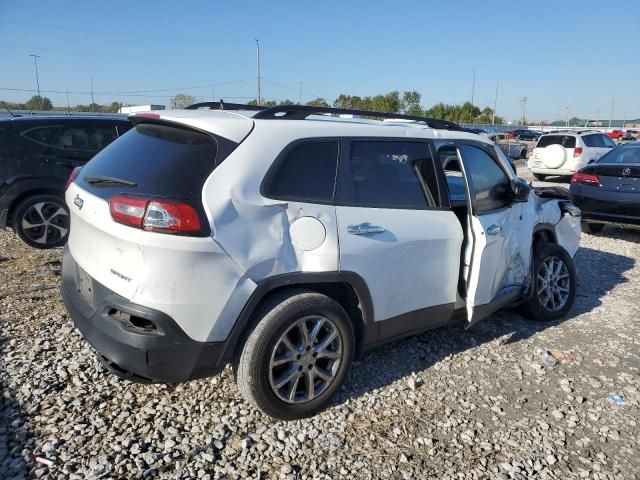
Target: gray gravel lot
pixel 448 404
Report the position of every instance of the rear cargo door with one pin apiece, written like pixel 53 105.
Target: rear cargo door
pixel 152 160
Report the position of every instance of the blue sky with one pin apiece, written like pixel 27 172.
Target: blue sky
pixel 576 54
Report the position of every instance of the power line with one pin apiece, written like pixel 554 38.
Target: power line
pixel 118 55
pixel 288 87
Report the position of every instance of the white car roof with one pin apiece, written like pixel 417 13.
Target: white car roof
pixel 235 125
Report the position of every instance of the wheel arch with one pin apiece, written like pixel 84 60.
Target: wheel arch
pixel 545 233
pixel 27 191
pixel 347 288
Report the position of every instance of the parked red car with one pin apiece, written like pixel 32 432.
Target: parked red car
pixel 616 134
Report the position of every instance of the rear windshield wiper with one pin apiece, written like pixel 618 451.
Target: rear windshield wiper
pixel 106 181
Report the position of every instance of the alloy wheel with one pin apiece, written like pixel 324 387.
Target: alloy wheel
pixel 45 223
pixel 306 359
pixel 553 284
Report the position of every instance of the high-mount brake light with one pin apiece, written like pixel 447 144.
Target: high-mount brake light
pixel 74 174
pixel 586 178
pixel 155 116
pixel 155 215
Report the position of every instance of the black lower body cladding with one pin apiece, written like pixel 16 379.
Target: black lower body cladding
pixel 135 342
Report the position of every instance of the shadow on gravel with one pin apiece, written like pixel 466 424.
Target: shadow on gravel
pixel 14 430
pixel 598 273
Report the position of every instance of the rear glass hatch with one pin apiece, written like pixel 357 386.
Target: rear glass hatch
pixel 157 161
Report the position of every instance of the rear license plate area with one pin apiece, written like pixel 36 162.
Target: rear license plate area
pixel 85 285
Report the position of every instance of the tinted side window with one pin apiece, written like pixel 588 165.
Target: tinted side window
pixel 566 141
pixel 45 135
pixel 593 141
pixel 86 138
pixel 491 187
pixel 387 175
pixel 608 142
pixel 307 173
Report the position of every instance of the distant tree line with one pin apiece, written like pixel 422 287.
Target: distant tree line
pixel 407 102
pixel 44 103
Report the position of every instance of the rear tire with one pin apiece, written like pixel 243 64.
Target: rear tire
pixel 591 228
pixel 539 176
pixel 278 349
pixel 554 284
pixel 42 221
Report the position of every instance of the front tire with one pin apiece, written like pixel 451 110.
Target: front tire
pixel 591 228
pixel 297 356
pixel 42 221
pixel 554 284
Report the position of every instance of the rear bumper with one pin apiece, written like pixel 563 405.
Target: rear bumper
pixel 161 354
pixel 609 209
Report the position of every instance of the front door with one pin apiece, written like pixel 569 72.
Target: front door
pixel 394 232
pixel 500 238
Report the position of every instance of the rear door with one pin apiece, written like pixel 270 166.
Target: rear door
pixel 395 232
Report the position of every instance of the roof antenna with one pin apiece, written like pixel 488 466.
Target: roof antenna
pixel 8 110
pixel 221 104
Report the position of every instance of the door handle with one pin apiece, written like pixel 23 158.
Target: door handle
pixel 494 230
pixel 365 229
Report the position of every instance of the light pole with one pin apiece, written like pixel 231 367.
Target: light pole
pixel 473 87
pixel 495 105
pixel 258 67
pixel 300 93
pixel 567 116
pixel 35 64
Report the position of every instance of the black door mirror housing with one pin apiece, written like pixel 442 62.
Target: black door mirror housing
pixel 521 190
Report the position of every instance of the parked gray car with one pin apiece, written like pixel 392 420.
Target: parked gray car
pixel 509 146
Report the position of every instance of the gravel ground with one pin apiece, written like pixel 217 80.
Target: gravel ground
pixel 448 404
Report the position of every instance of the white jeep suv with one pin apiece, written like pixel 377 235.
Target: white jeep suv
pixel 286 240
pixel 564 153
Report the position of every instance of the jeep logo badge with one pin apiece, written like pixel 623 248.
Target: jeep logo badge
pixel 78 202
pixel 626 172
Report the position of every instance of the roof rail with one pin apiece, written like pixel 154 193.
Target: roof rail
pixel 301 112
pixel 224 106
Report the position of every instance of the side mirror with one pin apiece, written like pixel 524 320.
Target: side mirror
pixel 520 189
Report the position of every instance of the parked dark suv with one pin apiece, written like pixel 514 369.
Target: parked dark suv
pixel 525 135
pixel 37 155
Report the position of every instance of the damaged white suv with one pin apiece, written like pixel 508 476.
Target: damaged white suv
pixel 286 240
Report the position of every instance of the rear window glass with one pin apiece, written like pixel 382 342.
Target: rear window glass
pixel 45 135
pixel 567 141
pixel 160 159
pixel 628 155
pixel 306 174
pixel 598 141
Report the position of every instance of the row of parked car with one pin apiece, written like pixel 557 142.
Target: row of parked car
pixel 282 240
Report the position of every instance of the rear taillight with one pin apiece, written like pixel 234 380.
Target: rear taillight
pixel 74 174
pixel 577 151
pixel 155 215
pixel 171 216
pixel 586 178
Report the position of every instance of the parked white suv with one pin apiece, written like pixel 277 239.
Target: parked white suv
pixel 284 241
pixel 564 153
